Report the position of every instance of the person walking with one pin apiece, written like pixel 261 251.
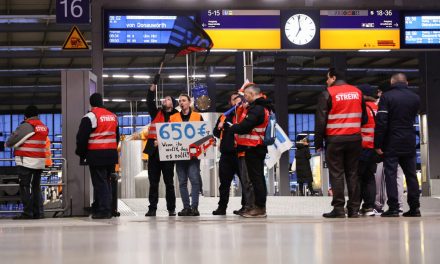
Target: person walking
pixel 303 170
pixel 96 145
pixel 339 115
pixel 395 140
pixel 29 143
pixel 155 166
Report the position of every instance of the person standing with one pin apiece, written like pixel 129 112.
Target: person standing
pixel 228 164
pixel 303 170
pixel 251 131
pixel 339 115
pixel 96 145
pixel 29 143
pixel 155 166
pixel 367 162
pixel 395 140
pixel 188 169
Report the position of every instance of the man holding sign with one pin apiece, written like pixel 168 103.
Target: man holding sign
pixel 188 169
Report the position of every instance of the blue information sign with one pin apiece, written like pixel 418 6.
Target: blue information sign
pixel 73 11
pixel 422 30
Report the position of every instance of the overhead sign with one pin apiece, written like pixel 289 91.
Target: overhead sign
pixel 185 141
pixel 359 29
pixel 243 29
pixel 75 40
pixel 73 11
pixel 138 28
pixel 421 29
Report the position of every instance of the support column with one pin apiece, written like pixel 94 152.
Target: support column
pixel 281 110
pixel 76 87
pixel 97 49
pixel 210 82
pixel 430 140
pixel 248 61
pixel 239 69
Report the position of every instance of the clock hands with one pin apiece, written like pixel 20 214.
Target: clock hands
pixel 299 26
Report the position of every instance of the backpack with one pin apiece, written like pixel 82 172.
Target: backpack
pixel 270 133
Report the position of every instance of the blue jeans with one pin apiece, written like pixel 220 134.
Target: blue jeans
pixel 189 169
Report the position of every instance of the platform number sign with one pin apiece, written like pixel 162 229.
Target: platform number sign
pixel 73 11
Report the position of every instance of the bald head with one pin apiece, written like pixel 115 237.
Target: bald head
pixel 398 78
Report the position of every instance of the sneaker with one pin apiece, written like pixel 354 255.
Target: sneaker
pixel 352 214
pixel 219 211
pixel 195 211
pixel 22 217
pixel 412 213
pixel 367 212
pixel 239 211
pixel 171 212
pixel 256 212
pixel 377 211
pixel 185 212
pixel 390 213
pixel 150 212
pixel 334 214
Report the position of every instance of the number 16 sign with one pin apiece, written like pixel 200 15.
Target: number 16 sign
pixel 185 141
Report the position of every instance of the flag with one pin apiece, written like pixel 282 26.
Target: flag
pixel 187 37
pixel 282 144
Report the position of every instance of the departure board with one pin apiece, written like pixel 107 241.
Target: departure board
pixel 421 30
pixel 138 29
pixel 359 29
pixel 243 29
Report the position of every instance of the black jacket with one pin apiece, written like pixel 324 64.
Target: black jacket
pixel 394 132
pixel 322 110
pixel 104 157
pixel 150 149
pixel 255 116
pixel 302 159
pixel 227 144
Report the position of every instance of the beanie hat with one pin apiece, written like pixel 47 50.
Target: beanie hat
pixel 96 100
pixel 368 90
pixel 175 103
pixel 31 111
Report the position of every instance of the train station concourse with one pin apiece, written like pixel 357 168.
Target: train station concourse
pixel 219 131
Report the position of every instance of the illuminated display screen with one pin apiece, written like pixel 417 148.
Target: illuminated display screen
pixel 243 29
pixel 359 29
pixel 421 30
pixel 138 29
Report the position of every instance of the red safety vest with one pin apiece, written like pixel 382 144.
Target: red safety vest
pixel 160 118
pixel 368 129
pixel 346 114
pixel 256 136
pixel 35 146
pixel 104 135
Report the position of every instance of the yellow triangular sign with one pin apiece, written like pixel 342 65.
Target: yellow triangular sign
pixel 75 40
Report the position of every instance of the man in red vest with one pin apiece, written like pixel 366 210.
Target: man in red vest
pixel 251 131
pixel 29 143
pixel 155 166
pixel 339 115
pixel 367 163
pixel 96 144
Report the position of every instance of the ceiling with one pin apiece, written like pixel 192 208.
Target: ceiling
pixel 31 61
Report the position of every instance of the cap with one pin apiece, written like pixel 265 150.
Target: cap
pixel 31 111
pixel 96 100
pixel 368 90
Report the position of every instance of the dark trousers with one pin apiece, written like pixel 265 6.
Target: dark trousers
pixel 30 191
pixel 408 164
pixel 102 189
pixel 367 178
pixel 228 168
pixel 254 158
pixel 155 167
pixel 247 191
pixel 309 186
pixel 342 160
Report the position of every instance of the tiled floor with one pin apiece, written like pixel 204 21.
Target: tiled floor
pixel 284 237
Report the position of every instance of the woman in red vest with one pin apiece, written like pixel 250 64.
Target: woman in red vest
pixel 29 142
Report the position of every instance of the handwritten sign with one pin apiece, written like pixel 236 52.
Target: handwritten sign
pixel 185 141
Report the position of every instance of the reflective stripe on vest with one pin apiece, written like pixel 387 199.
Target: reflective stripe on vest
pixel 160 118
pixel 368 129
pixel 346 113
pixel 256 136
pixel 104 135
pixel 35 146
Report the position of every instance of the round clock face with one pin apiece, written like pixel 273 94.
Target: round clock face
pixel 300 29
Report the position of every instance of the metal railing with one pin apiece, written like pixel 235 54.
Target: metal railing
pixel 62 184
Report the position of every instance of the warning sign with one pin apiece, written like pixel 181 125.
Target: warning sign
pixel 75 40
